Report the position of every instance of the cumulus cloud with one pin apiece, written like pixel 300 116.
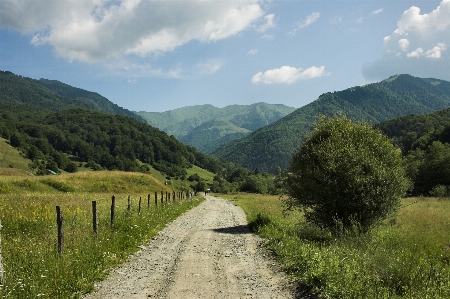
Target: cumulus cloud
pixel 95 30
pixel 288 75
pixel 312 18
pixel 418 46
pixel 403 44
pixel 252 52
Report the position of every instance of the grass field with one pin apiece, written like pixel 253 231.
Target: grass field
pixel 11 162
pixel 33 266
pixel 406 257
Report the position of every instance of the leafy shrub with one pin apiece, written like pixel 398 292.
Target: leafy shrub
pixel 346 176
pixel 440 191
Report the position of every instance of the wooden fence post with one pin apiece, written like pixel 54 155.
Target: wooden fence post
pixel 59 222
pixel 129 205
pixel 94 217
pixel 140 202
pixel 156 199
pixel 148 201
pixel 162 196
pixel 113 208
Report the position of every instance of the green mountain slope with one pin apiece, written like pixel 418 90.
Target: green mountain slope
pixel 206 127
pixel 97 101
pixel 54 95
pixel 273 145
pixel 20 90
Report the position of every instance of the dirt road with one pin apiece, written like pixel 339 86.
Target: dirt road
pixel 208 252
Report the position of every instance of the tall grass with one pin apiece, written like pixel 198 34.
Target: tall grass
pixel 33 266
pixel 406 257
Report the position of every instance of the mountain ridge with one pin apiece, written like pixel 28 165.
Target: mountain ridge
pixel 273 145
pixel 197 125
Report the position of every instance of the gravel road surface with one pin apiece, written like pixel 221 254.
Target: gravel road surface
pixel 208 252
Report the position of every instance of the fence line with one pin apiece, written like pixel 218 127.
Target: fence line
pixel 60 218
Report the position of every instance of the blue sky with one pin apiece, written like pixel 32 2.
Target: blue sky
pixel 161 55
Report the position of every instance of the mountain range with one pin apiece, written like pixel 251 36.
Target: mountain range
pixel 271 133
pixel 273 145
pixel 206 127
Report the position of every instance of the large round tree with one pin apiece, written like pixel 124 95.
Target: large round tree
pixel 346 175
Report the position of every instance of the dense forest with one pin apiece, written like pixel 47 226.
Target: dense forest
pixel 273 145
pixel 425 143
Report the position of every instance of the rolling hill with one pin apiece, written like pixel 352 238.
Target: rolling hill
pixel 274 144
pixel 206 127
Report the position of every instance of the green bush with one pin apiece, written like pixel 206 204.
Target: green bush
pixel 346 176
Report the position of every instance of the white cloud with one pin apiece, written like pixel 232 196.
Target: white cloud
pixel 336 20
pixel 252 52
pixel 95 30
pixel 268 36
pixel 134 68
pixel 375 12
pixel 418 46
pixel 310 19
pixel 288 75
pixel 270 23
pixel 416 53
pixel 436 52
pixel 208 67
pixel 404 44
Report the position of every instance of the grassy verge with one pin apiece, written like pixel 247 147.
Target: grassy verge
pixel 33 266
pixel 10 158
pixel 407 257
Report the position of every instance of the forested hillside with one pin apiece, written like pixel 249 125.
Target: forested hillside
pixel 273 145
pixel 206 127
pixel 425 142
pixel 54 95
pixel 55 129
pixel 104 141
pixel 99 102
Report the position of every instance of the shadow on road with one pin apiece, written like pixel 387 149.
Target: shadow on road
pixel 236 230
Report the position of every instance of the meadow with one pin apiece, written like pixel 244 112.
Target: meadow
pixel 33 266
pixel 406 257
